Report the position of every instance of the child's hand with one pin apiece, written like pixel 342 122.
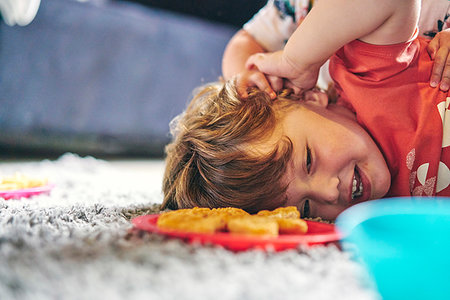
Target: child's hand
pixel 248 78
pixel 275 64
pixel 439 50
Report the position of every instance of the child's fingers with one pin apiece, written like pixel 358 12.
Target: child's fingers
pixel 241 82
pixel 242 91
pixel 255 78
pixel 432 47
pixel 441 69
pixel 275 82
pixel 295 89
pixel 260 81
pixel 445 79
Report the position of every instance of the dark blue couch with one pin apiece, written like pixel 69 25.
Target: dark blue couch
pixel 102 77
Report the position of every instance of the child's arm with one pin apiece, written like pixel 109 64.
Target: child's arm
pixel 377 22
pixel 241 46
pixel 439 50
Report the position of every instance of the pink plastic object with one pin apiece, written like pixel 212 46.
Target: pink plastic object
pixel 26 193
pixel 318 233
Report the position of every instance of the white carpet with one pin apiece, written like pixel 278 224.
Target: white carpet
pixel 75 244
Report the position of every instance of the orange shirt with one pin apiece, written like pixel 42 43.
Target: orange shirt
pixel 387 86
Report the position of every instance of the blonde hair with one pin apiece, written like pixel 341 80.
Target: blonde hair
pixel 209 163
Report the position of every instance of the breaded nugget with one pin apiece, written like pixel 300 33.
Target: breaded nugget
pixel 292 226
pixel 228 213
pixel 195 219
pixel 290 212
pixel 253 225
pixel 184 221
pixel 196 211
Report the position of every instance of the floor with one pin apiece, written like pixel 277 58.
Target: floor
pixel 148 167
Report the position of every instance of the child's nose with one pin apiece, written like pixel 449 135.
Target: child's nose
pixel 326 189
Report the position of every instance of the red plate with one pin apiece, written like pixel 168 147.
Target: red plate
pixel 26 193
pixel 318 233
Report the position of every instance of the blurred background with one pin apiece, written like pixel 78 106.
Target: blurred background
pixel 103 77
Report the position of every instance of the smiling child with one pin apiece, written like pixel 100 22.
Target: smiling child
pixel 262 154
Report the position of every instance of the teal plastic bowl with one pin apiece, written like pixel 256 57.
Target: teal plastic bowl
pixel 404 243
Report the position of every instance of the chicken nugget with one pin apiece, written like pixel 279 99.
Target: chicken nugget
pixel 196 211
pixel 292 226
pixel 185 221
pixel 253 225
pixel 290 212
pixel 228 213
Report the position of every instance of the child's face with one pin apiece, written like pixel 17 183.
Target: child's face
pixel 335 162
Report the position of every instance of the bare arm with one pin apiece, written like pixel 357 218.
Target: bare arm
pixel 377 22
pixel 241 46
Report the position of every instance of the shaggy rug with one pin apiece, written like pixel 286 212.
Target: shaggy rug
pixel 77 243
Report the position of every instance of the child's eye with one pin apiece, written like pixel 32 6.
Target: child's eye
pixel 308 159
pixel 305 210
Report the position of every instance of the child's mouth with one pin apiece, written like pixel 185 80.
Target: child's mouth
pixel 357 185
pixel 361 187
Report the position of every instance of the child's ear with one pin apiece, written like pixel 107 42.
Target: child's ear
pixel 317 98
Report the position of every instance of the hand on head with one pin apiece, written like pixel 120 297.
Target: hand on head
pixel 270 72
pixel 255 78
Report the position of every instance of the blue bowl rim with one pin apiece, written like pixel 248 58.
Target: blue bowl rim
pixel 361 212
